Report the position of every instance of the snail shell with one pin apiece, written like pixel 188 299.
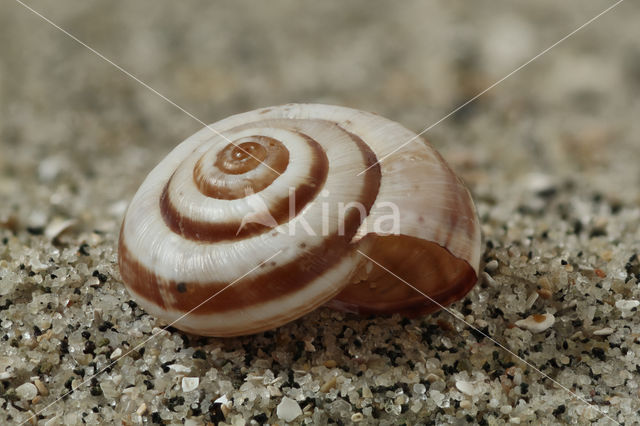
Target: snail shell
pixel 291 211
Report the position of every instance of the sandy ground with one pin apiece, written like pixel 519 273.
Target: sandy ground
pixel 551 155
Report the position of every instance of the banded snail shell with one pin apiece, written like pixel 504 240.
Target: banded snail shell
pixel 259 206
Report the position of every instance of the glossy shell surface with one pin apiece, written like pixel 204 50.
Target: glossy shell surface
pixel 286 209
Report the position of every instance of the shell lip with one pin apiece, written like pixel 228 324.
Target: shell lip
pixel 416 296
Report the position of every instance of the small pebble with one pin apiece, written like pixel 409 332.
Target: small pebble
pixel 141 409
pixel 468 388
pixel 57 227
pixel 42 388
pixel 545 293
pixel 537 323
pixel 419 388
pixel 604 331
pixel 606 255
pixel 190 383
pixel 288 409
pixel 330 363
pixel 544 283
pixel 179 368
pixel 329 384
pixel 274 391
pixel 491 266
pixel 308 346
pixel 531 300
pixel 366 392
pixel 539 182
pixel 431 378
pixel 489 279
pixel 627 305
pixel 222 400
pixel 6 374
pixel 357 417
pixel 50 167
pixel 116 354
pixel 600 273
pixel 415 407
pixel 27 391
pixel 437 397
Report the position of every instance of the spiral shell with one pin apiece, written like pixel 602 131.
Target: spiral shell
pixel 290 206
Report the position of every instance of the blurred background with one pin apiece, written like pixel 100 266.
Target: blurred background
pixel 77 137
pixel 571 111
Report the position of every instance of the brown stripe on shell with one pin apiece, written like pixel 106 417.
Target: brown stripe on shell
pixel 256 288
pixel 373 174
pixel 131 269
pixel 256 150
pixel 211 232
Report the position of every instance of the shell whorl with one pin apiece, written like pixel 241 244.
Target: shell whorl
pixel 288 180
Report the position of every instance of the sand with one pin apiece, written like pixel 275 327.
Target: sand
pixel 551 155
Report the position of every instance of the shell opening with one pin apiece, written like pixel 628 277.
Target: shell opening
pixel 425 265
